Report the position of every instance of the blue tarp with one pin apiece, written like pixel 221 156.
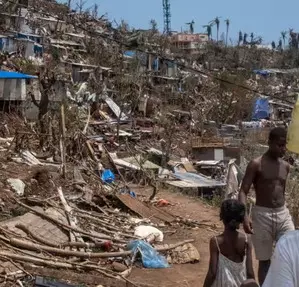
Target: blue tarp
pixel 261 109
pixel 108 176
pixel 149 256
pixel 38 48
pixel 262 72
pixel 131 54
pixel 2 42
pixel 35 38
pixel 156 64
pixel 15 75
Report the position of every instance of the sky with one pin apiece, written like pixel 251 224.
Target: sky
pixel 265 18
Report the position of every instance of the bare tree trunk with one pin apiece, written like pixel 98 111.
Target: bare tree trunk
pixel 62 140
pixel 43 105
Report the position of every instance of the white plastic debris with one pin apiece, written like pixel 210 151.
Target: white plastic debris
pixel 149 233
pixel 17 185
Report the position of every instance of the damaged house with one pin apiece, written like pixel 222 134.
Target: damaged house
pixel 13 91
pixel 216 151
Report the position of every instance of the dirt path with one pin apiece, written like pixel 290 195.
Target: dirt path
pixel 192 275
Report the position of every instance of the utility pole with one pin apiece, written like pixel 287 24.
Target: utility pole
pixel 167 17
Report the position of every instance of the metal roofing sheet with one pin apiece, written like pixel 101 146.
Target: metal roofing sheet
pixel 140 162
pixel 200 180
pixel 145 210
pixel 183 184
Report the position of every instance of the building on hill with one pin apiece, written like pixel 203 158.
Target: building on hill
pixel 189 42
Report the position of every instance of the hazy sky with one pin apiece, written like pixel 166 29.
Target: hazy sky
pixel 266 18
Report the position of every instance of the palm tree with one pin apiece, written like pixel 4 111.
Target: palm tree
pixel 153 25
pixel 227 22
pixel 124 26
pixel 209 30
pixel 217 22
pixel 273 45
pixel 279 44
pixel 191 26
pixel 293 38
pixel 240 37
pixel 251 38
pixel 245 38
pixel 284 36
pixel 259 40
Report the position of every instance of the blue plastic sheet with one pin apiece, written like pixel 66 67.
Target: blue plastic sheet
pixel 128 191
pixel 149 256
pixel 261 109
pixel 262 72
pixel 108 176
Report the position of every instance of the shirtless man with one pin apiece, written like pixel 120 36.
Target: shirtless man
pixel 270 217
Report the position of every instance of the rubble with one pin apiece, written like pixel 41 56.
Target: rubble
pixel 89 112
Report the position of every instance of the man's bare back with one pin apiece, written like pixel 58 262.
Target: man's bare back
pixel 269 180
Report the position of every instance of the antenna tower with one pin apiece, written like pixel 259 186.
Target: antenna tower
pixel 167 16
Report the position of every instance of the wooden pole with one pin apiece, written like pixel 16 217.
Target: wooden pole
pixel 62 140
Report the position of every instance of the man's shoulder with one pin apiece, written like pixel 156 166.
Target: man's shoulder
pixel 254 163
pixel 257 159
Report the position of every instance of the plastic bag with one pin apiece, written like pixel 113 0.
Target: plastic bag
pixel 149 233
pixel 149 256
pixel 293 130
pixel 108 176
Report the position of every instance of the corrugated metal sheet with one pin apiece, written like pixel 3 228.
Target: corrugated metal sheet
pixel 115 108
pixel 154 214
pixel 135 163
pixel 183 184
pixel 123 163
pixel 139 162
pixel 200 180
pixel 208 162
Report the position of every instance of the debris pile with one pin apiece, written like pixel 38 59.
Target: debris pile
pixel 82 223
pixel 91 112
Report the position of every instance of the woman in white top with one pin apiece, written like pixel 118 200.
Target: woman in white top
pixel 230 252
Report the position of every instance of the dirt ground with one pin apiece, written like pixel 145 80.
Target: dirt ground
pixel 187 275
pixel 192 275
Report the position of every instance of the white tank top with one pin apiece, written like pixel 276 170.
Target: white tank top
pixel 230 273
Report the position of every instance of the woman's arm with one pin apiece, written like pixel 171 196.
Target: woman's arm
pixel 211 275
pixel 249 265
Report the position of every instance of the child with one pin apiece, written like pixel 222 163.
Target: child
pixel 230 252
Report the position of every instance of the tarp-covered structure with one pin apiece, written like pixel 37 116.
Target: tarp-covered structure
pixel 261 109
pixel 13 86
